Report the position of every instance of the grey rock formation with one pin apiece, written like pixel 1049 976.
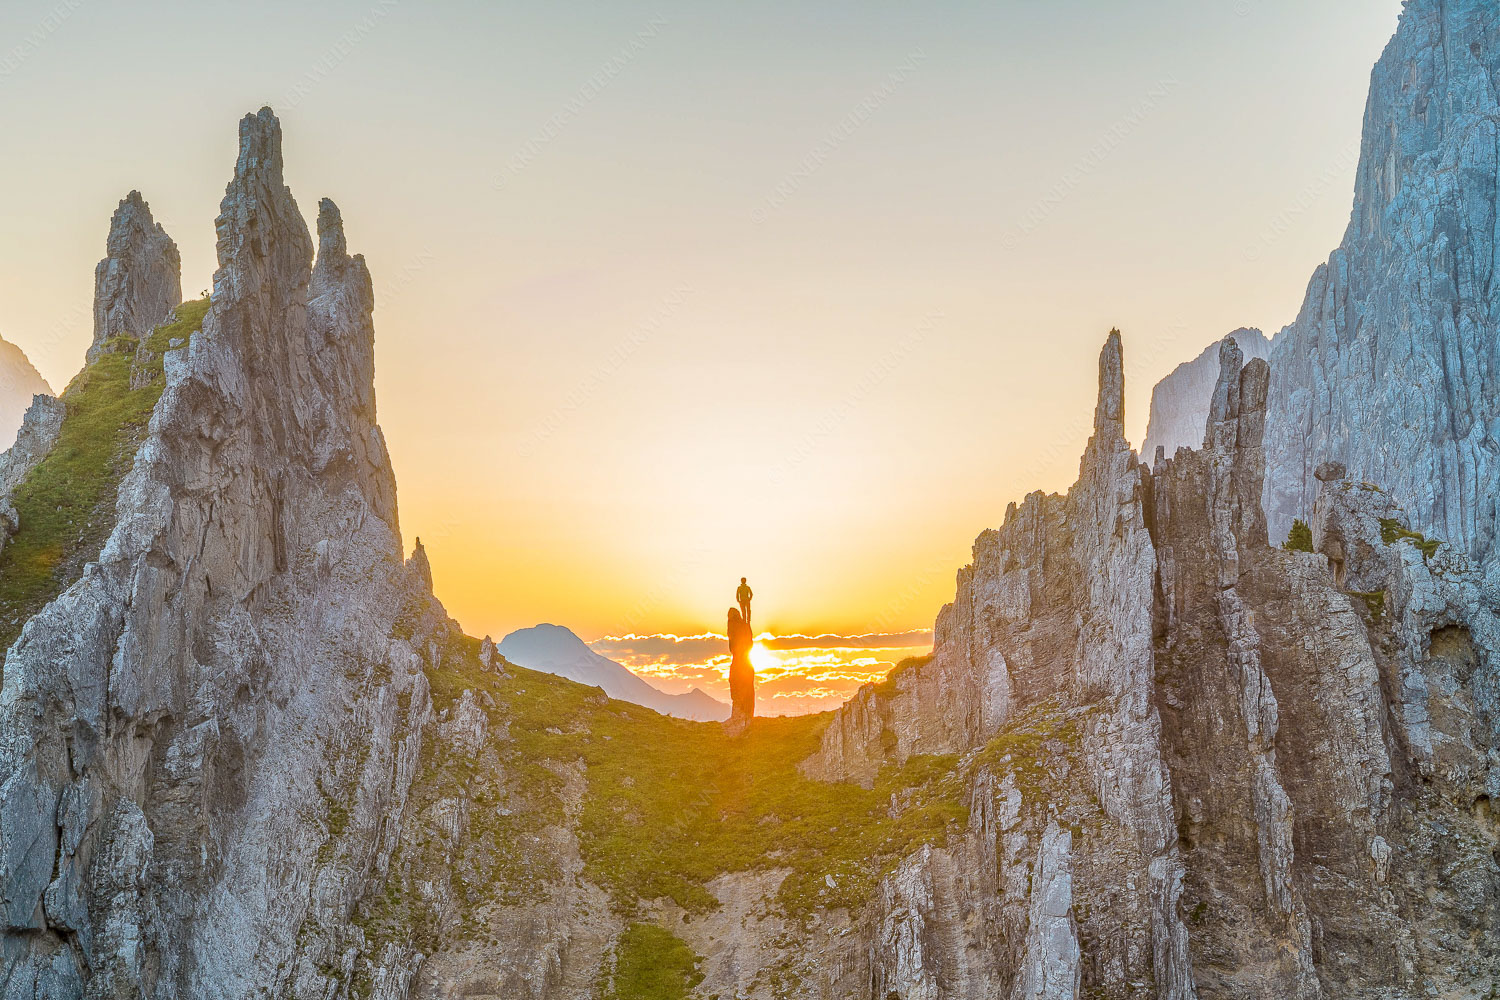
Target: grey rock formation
pixel 1052 963
pixel 39 430
pixel 38 433
pixel 1179 403
pixel 139 282
pixel 1264 742
pixel 188 724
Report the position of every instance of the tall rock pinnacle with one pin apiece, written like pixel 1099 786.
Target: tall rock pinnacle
pixel 1109 415
pixel 247 592
pixel 139 282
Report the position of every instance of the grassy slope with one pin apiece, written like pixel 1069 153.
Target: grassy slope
pixel 673 804
pixel 660 808
pixel 666 807
pixel 67 503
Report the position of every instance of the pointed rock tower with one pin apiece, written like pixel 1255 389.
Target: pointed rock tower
pixel 139 282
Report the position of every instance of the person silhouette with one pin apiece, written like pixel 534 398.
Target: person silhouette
pixel 743 595
pixel 741 673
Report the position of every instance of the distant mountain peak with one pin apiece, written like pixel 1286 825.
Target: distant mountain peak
pixel 19 382
pixel 556 649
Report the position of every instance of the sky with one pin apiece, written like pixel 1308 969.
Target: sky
pixel 674 293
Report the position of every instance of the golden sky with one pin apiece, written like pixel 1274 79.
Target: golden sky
pixel 674 294
pixel 795 674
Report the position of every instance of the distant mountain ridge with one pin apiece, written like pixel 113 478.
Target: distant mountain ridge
pixel 557 650
pixel 19 382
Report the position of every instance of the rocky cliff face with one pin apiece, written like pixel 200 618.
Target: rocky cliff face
pixel 1179 403
pixel 20 384
pixel 172 719
pixel 1297 826
pixel 1391 365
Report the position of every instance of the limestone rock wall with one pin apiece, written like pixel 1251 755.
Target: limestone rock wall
pixel 1392 365
pixel 193 731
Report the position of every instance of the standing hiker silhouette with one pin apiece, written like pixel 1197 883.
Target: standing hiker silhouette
pixel 743 595
pixel 741 673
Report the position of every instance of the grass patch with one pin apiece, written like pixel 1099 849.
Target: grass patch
pixel 660 808
pixel 67 503
pixel 1393 531
pixel 652 964
pixel 1374 601
pixel 1300 539
pixel 1024 746
pixel 887 687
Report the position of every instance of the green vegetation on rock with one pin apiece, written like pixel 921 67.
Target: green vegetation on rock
pixel 1393 531
pixel 660 806
pixel 566 788
pixel 652 964
pixel 66 506
pixel 1374 601
pixel 1300 539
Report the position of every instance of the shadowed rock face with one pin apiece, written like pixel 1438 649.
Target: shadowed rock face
pixel 139 282
pixel 172 722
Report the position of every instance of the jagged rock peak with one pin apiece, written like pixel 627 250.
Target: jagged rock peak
pixel 1106 455
pixel 139 282
pixel 1224 404
pixel 1180 401
pixel 419 565
pixel 1229 401
pixel 260 145
pixel 332 245
pixel 258 213
pixel 1237 411
pixel 1109 415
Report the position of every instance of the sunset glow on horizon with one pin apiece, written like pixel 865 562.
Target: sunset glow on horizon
pixel 795 674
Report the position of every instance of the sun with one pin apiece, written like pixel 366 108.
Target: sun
pixel 763 660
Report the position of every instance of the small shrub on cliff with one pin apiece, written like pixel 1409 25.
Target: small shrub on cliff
pixel 1393 531
pixel 1300 540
